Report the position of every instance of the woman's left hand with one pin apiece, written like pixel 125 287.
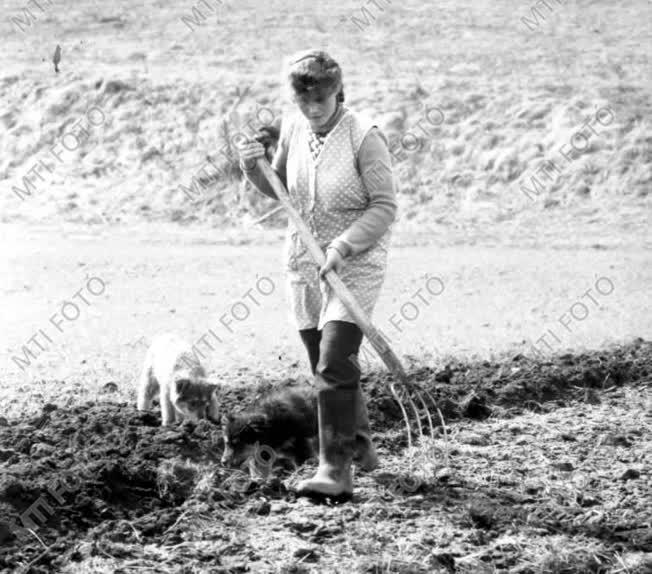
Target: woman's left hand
pixel 334 260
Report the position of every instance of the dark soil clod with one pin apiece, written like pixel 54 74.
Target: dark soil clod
pixel 130 481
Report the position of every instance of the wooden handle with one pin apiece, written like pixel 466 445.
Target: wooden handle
pixel 377 341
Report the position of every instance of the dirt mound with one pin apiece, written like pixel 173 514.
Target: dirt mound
pixel 113 478
pixel 506 388
pixel 68 470
pixel 500 387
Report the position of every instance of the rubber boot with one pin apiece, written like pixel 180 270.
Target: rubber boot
pixel 337 410
pixel 365 455
pixel 365 452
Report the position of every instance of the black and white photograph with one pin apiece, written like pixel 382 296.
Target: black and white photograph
pixel 355 287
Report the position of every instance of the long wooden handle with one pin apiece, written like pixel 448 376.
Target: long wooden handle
pixel 378 342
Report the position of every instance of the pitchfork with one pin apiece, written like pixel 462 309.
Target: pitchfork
pixel 378 342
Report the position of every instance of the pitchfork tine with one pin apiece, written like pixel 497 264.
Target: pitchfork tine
pixel 411 388
pixel 416 390
pixel 405 417
pixel 434 405
pixel 415 410
pixel 427 411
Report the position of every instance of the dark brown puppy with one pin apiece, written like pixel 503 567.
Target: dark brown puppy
pixel 282 426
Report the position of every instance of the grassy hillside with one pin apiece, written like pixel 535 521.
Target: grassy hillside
pixel 489 99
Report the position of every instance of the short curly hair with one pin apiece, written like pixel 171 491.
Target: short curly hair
pixel 314 74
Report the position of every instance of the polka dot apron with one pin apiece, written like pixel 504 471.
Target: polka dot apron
pixel 326 189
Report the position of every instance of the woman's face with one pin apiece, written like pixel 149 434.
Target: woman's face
pixel 317 109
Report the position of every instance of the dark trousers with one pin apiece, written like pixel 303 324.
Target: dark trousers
pixel 333 354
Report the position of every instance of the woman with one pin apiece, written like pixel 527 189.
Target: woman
pixel 335 164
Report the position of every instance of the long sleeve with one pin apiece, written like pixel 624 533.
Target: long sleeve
pixel 374 165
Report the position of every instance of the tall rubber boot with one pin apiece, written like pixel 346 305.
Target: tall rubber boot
pixel 365 455
pixel 337 412
pixel 365 452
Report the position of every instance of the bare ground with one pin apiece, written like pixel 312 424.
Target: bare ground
pixel 495 298
pixel 544 466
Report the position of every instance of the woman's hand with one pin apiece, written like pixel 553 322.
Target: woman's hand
pixel 249 152
pixel 334 260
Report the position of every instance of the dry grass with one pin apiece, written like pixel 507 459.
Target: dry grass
pixel 510 98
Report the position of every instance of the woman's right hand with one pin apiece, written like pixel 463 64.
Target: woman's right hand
pixel 249 152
